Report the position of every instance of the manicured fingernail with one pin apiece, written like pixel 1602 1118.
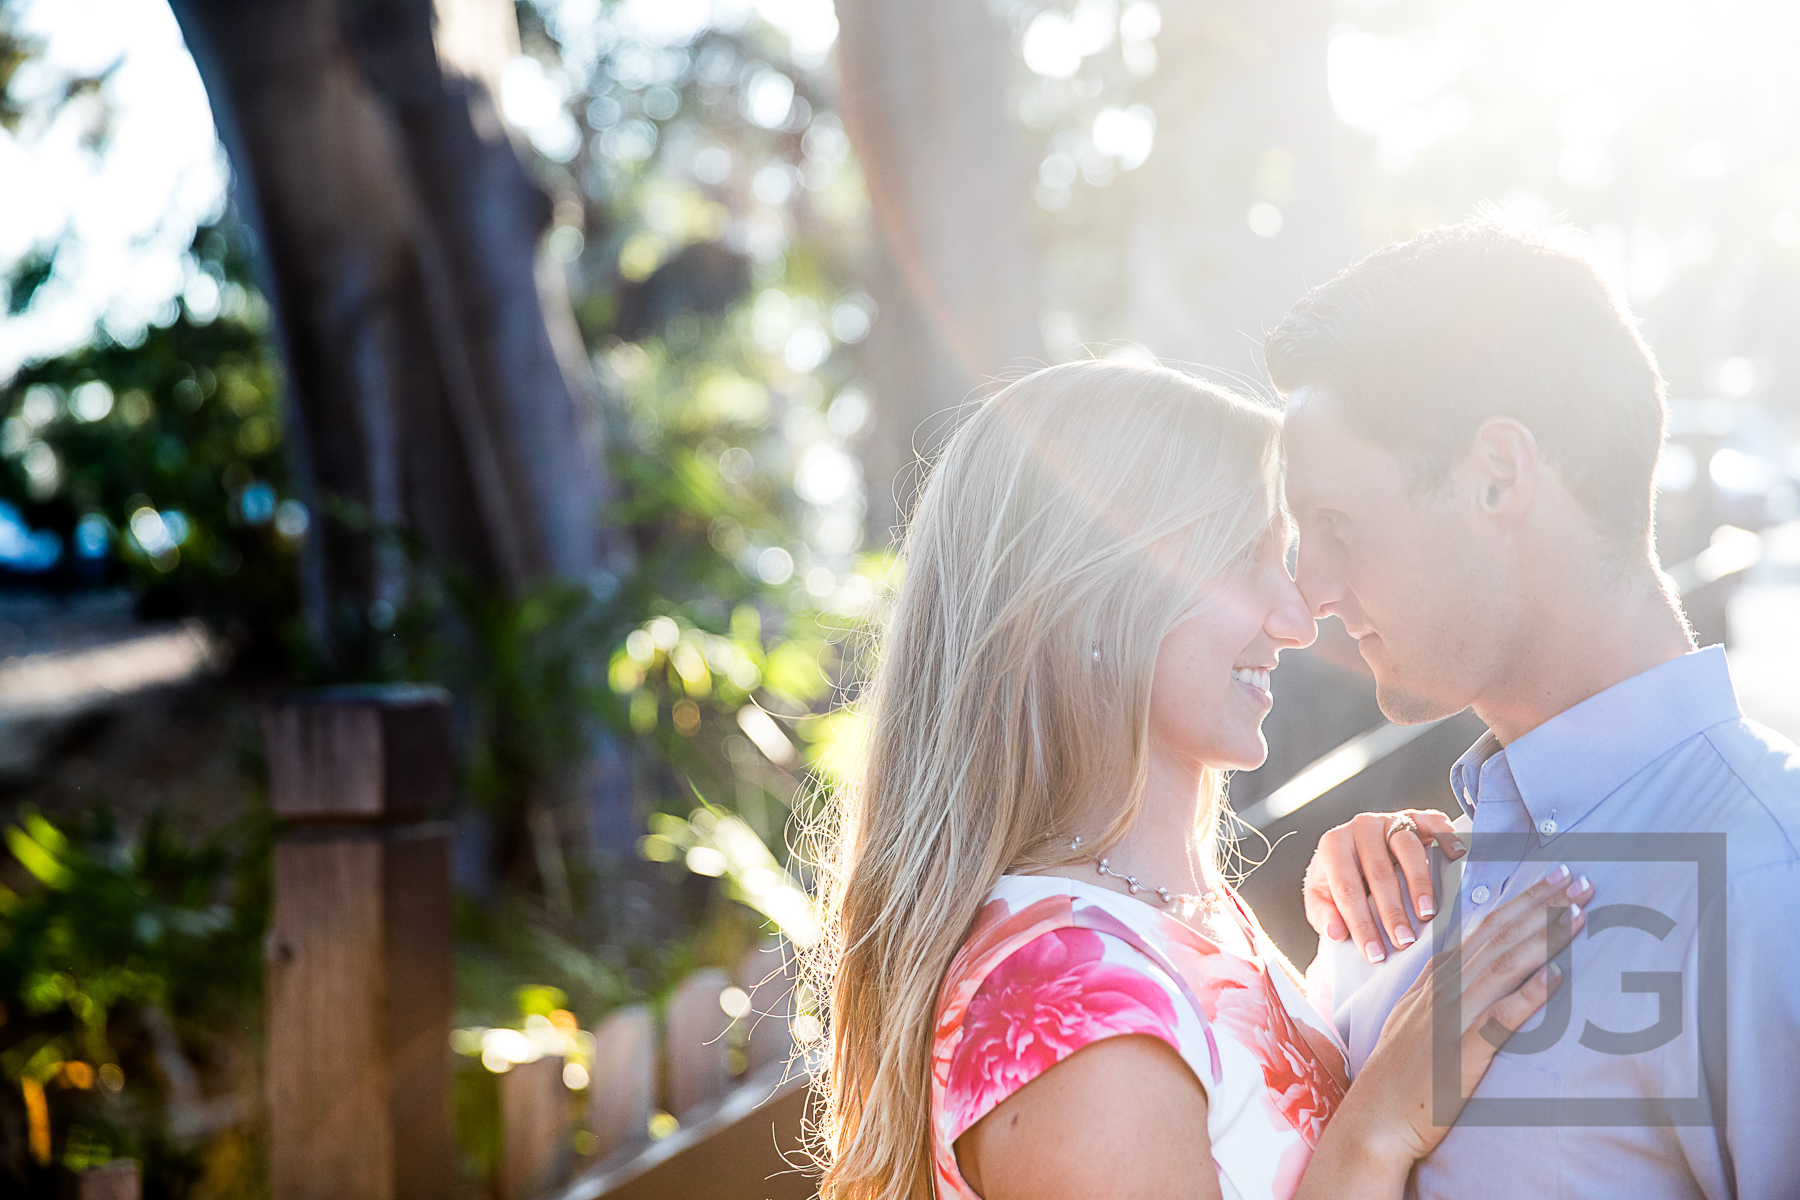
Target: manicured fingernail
pixel 1561 873
pixel 1373 952
pixel 1555 971
pixel 1427 908
pixel 1578 887
pixel 1403 937
pixel 1573 913
pixel 1457 845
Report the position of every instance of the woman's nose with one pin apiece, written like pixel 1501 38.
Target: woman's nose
pixel 1291 622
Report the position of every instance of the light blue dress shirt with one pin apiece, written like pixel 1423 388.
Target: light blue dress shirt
pixel 1705 965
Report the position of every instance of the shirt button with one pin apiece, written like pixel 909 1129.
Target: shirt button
pixel 1547 827
pixel 1480 895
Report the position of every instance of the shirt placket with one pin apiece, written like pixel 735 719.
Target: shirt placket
pixel 1499 809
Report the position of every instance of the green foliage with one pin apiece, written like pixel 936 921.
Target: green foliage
pixel 718 306
pixel 15 52
pixel 26 277
pixel 116 956
pixel 171 452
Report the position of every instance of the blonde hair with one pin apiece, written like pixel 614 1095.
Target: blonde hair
pixel 1067 524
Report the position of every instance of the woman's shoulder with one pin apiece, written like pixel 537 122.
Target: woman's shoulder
pixel 1036 982
pixel 1023 909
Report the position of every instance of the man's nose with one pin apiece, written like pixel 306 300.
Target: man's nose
pixel 1317 583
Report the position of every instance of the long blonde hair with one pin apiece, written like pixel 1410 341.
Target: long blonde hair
pixel 1066 525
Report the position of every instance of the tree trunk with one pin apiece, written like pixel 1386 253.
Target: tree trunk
pixel 1243 118
pixel 399 229
pixel 925 102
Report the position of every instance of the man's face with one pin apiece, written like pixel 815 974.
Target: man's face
pixel 1410 573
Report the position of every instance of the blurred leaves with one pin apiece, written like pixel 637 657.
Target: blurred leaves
pixel 120 959
pixel 168 458
pixel 25 278
pixel 717 844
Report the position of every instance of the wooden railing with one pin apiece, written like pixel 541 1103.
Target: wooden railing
pixel 361 996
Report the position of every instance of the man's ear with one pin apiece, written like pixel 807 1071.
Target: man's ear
pixel 1503 461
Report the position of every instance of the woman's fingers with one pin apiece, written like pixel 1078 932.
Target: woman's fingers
pixel 1487 1035
pixel 1507 1015
pixel 1375 852
pixel 1340 858
pixel 1436 829
pixel 1415 868
pixel 1408 850
pixel 1321 909
pixel 1522 935
pixel 1360 879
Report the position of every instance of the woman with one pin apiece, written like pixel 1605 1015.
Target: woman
pixel 1039 984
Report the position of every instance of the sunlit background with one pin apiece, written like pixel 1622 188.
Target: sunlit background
pixel 793 238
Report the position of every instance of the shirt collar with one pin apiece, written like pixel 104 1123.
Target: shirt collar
pixel 1576 759
pixel 1465 775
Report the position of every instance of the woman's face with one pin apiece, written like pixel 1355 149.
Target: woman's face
pixel 1211 688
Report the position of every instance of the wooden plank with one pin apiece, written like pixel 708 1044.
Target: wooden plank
pixel 376 753
pixel 117 1180
pixel 419 984
pixel 697 1047
pixel 750 1148
pixel 361 987
pixel 330 1136
pixel 361 1002
pixel 622 1094
pixel 534 1127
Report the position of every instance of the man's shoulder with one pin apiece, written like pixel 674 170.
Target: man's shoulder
pixel 1766 761
pixel 1767 766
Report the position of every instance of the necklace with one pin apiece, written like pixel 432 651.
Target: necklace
pixel 1186 903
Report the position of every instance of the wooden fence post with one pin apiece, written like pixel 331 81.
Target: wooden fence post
pixel 361 980
pixel 698 1070
pixel 116 1180
pixel 534 1120
pixel 622 1093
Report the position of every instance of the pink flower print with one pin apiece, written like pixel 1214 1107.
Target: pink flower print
pixel 1047 1000
pixel 996 928
pixel 1298 1087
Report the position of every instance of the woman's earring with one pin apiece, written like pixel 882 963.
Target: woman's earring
pixel 1096 651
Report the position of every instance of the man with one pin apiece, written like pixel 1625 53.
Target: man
pixel 1473 422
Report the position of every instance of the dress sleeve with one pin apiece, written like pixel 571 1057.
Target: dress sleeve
pixel 1061 991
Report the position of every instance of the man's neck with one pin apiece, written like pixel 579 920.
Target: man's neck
pixel 1578 646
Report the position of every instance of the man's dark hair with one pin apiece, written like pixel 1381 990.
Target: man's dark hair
pixel 1424 340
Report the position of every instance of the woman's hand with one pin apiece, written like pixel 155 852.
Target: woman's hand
pixel 1505 977
pixel 1360 875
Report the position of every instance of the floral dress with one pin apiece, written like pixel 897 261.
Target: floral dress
pixel 1055 964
